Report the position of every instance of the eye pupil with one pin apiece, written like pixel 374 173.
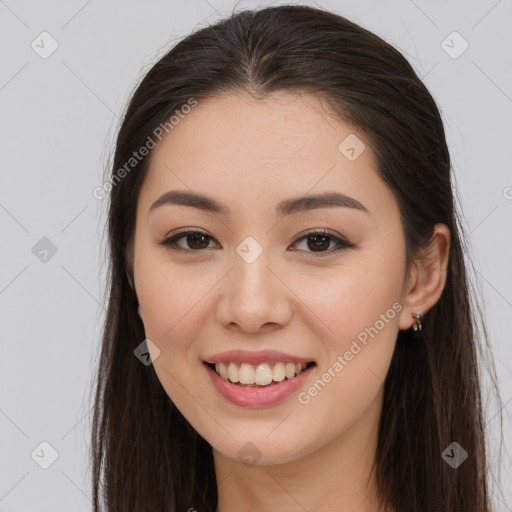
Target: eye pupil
pixel 318 242
pixel 321 245
pixel 195 237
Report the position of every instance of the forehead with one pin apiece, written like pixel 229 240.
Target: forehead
pixel 246 152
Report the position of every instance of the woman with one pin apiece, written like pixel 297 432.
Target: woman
pixel 289 323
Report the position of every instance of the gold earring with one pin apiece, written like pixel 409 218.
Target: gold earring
pixel 418 319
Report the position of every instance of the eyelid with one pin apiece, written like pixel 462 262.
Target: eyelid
pixel 342 242
pixel 170 240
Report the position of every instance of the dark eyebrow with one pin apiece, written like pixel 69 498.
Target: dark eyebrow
pixel 324 200
pixel 286 207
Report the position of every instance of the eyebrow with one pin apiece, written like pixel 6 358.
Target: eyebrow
pixel 286 207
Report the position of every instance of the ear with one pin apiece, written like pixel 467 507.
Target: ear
pixel 427 277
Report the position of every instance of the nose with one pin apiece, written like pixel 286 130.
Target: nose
pixel 254 298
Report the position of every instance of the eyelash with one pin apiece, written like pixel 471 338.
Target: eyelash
pixel 170 243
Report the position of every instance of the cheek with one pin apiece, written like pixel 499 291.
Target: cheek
pixel 174 304
pixel 168 302
pixel 172 298
pixel 362 315
pixel 359 311
pixel 354 299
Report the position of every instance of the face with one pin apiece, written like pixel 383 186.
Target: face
pixel 320 282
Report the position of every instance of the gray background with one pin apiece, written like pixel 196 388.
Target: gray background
pixel 57 125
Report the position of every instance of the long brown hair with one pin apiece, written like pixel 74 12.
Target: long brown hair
pixel 145 454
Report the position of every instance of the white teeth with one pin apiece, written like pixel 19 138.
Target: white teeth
pixel 278 373
pixel 290 370
pixel 233 372
pixel 261 375
pixel 223 370
pixel 246 374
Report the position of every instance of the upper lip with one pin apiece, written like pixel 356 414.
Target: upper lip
pixel 256 357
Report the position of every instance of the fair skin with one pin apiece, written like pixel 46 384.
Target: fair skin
pixel 250 155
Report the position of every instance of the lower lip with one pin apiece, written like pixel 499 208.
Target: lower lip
pixel 257 397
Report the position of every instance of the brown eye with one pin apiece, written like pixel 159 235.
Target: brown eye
pixel 195 241
pixel 319 241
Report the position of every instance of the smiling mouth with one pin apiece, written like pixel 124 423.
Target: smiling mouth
pixel 258 376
